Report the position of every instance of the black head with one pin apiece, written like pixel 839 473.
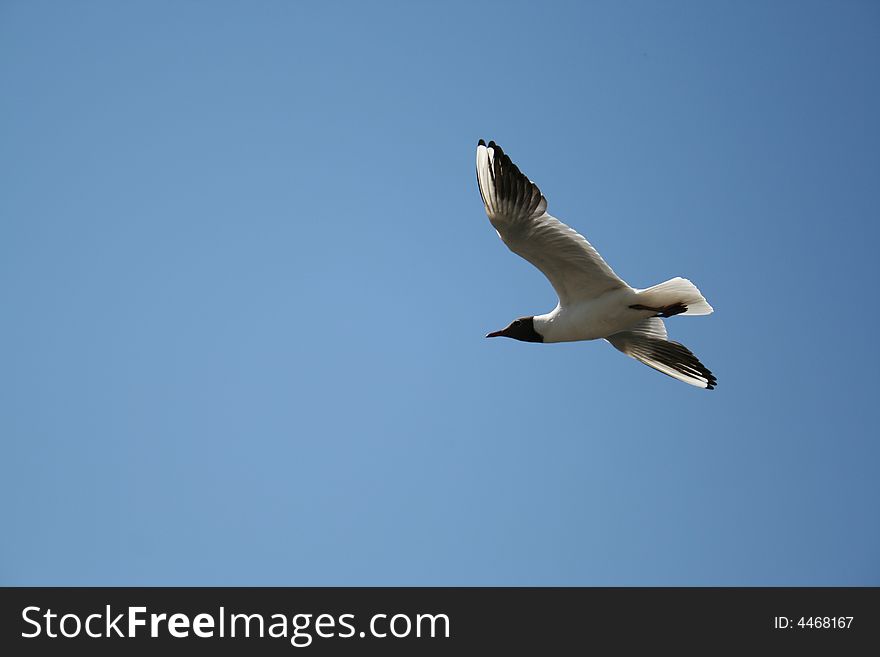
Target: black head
pixel 519 329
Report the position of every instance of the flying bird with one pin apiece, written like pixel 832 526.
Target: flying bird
pixel 594 302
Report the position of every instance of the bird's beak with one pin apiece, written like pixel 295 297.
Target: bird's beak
pixel 495 334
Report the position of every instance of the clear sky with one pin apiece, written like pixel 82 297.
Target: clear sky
pixel 245 276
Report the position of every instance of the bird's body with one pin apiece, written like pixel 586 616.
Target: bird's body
pixel 594 302
pixel 591 319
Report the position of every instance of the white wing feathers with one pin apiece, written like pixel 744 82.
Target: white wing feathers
pixel 517 210
pixel 647 343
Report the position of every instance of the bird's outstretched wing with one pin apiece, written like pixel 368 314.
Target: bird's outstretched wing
pixel 647 342
pixel 518 211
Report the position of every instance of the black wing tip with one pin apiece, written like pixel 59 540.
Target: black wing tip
pixel 685 362
pixel 711 381
pixel 514 193
pixel 495 147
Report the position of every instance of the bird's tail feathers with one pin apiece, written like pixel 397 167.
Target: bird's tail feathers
pixel 673 292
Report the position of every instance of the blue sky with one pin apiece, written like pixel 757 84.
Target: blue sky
pixel 245 276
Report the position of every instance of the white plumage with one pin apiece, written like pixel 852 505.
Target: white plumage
pixel 594 302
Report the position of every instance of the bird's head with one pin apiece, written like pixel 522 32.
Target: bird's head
pixel 519 329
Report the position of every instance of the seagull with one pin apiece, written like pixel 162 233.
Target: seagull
pixel 594 302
